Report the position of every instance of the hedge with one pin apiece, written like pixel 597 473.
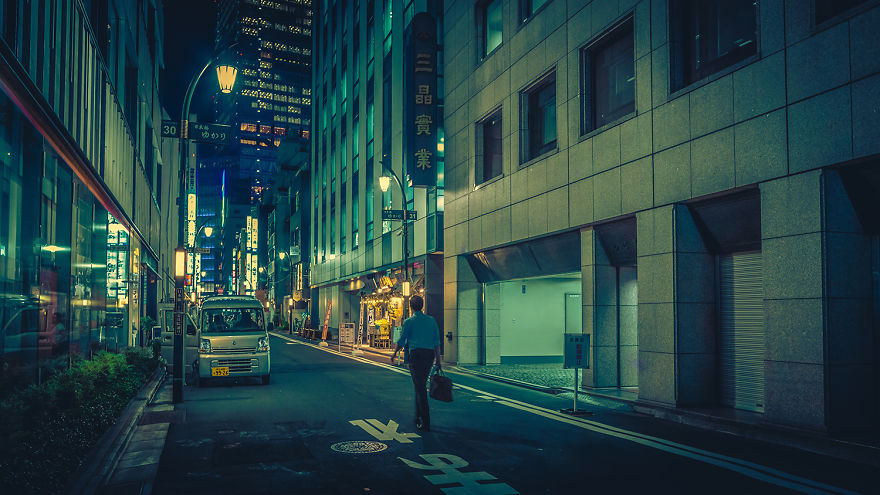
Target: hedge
pixel 48 429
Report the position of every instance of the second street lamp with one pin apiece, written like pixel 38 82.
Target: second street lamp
pixel 384 184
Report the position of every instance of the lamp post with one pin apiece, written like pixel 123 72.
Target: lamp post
pixel 279 270
pixel 384 183
pixel 226 78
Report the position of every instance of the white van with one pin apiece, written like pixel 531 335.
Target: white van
pixel 233 340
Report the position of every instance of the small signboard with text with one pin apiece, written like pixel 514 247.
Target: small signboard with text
pixel 398 215
pixel 170 128
pixel 346 333
pixel 577 351
pixel 203 133
pixel 210 133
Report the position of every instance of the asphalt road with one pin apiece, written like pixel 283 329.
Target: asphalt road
pixel 295 436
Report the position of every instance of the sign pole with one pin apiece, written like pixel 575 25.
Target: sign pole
pixel 576 355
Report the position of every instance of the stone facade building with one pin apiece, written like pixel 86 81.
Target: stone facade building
pixel 708 171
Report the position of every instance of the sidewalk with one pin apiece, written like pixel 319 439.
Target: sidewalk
pixel 138 465
pixel 334 344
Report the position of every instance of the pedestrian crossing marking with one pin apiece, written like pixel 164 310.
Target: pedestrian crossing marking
pixel 449 465
pixel 385 432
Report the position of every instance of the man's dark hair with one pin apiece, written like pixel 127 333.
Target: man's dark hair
pixel 416 303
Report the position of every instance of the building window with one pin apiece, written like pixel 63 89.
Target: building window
pixel 491 21
pixel 826 9
pixel 489 154
pixel 709 35
pixel 538 134
pixel 608 78
pixel 529 7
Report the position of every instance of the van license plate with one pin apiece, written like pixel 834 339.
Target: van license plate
pixel 224 371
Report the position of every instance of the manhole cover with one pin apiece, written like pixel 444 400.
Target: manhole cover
pixel 359 447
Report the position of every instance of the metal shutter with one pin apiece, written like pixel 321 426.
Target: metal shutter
pixel 742 331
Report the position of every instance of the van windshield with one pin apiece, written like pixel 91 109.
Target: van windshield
pixel 229 320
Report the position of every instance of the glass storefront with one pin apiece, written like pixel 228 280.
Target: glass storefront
pixel 59 263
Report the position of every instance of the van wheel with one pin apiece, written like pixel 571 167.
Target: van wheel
pixel 264 379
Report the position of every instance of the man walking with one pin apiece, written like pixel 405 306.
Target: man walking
pixel 421 334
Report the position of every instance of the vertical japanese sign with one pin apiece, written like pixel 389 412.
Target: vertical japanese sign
pixel 422 125
pixel 191 211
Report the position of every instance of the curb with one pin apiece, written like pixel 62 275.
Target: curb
pixel 103 457
pixel 512 381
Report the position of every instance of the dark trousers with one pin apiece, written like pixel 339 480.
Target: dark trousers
pixel 420 361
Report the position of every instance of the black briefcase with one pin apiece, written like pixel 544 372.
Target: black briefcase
pixel 441 387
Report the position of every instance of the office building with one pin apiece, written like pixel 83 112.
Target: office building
pixel 689 184
pixel 272 95
pixel 82 182
pixel 365 127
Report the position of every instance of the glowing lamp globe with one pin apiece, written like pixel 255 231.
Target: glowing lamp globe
pixel 226 77
pixel 384 182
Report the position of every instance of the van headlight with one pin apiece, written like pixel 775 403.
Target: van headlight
pixel 263 345
pixel 204 346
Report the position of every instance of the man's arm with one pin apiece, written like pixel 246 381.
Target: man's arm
pixel 436 343
pixel 403 336
pixel 437 356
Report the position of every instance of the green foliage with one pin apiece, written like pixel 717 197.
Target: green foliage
pixel 48 429
pixel 147 323
pixel 156 347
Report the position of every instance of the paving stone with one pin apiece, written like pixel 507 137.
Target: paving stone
pixel 135 459
pixel 133 474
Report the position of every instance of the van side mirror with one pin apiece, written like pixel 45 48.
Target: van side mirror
pixel 190 329
pixel 270 327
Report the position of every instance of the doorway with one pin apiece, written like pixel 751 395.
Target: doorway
pixel 525 320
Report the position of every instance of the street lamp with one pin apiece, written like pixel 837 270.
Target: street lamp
pixel 179 263
pixel 226 79
pixel 384 184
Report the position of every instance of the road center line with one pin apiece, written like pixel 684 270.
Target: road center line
pixel 746 468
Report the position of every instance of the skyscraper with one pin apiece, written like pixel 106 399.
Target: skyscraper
pixel 272 97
